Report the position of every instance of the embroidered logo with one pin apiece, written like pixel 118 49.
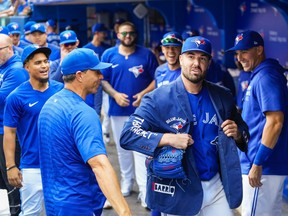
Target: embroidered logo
pixel 176 123
pixel 137 70
pixel 32 104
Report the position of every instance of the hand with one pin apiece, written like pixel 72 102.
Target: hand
pixel 230 128
pixel 15 177
pixel 179 141
pixel 121 99
pixel 254 176
pixel 138 98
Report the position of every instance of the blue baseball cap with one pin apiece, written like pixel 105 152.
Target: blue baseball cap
pixel 37 27
pixel 172 39
pixel 4 30
pixel 197 43
pixel 246 40
pixel 27 26
pixel 32 49
pixel 81 59
pixel 99 27
pixel 51 23
pixel 119 21
pixel 13 28
pixel 68 36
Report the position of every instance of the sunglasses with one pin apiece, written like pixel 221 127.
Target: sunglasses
pixel 170 40
pixel 124 34
pixel 70 44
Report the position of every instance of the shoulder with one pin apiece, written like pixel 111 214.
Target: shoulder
pixel 56 84
pixel 53 47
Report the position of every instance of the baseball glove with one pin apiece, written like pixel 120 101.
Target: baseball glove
pixel 168 163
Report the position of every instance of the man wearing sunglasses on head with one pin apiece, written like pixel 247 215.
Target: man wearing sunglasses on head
pixel 129 78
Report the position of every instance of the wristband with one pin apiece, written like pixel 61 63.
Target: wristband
pixel 9 168
pixel 262 155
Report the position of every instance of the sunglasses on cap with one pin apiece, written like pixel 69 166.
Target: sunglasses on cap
pixel 169 40
pixel 124 34
pixel 70 44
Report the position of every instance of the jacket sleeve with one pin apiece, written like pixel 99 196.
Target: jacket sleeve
pixel 137 132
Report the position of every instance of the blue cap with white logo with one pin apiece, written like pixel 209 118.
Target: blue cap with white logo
pixel 172 39
pixel 13 28
pixel 197 43
pixel 246 40
pixel 37 27
pixel 81 59
pixel 68 36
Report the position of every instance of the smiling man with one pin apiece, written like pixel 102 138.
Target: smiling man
pixel 21 112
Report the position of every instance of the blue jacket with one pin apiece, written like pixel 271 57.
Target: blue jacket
pixel 145 128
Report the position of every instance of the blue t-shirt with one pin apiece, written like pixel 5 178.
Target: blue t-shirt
pixel 70 134
pixel 163 75
pixel 129 75
pixel 22 109
pixel 266 92
pixel 12 74
pixel 205 134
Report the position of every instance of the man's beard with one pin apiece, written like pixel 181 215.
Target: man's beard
pixel 128 45
pixel 194 79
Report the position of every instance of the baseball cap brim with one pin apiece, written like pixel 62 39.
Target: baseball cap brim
pixel 235 48
pixel 101 65
pixel 68 41
pixel 45 50
pixel 14 32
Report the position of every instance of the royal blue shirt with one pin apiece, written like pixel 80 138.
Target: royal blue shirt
pixel 129 75
pixel 99 50
pixel 22 109
pixel 205 134
pixel 267 92
pixel 70 134
pixel 163 75
pixel 12 74
pixel 55 54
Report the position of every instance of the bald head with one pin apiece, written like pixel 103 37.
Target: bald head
pixel 5 40
pixel 6 48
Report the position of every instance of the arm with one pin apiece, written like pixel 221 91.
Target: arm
pixel 108 182
pixel 270 135
pixel 120 98
pixel 139 96
pixel 14 175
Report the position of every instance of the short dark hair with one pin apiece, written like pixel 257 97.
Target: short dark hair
pixel 69 78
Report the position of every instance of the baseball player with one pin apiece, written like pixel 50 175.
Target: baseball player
pixel 73 158
pixel 22 109
pixel 12 74
pixel 201 118
pixel 126 81
pixel 265 110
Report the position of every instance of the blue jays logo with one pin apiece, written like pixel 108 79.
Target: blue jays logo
pixel 137 70
pixel 14 26
pixel 67 35
pixel 215 141
pixel 199 42
pixel 177 126
pixel 36 26
pixel 243 8
pixel 238 38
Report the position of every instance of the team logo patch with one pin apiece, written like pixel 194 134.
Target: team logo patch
pixel 162 188
pixel 200 42
pixel 238 38
pixel 67 35
pixel 14 26
pixel 137 70
pixel 176 123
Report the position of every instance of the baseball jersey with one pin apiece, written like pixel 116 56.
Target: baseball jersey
pixel 204 134
pixel 163 75
pixel 129 75
pixel 266 92
pixel 70 134
pixel 53 38
pixel 22 109
pixel 12 74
